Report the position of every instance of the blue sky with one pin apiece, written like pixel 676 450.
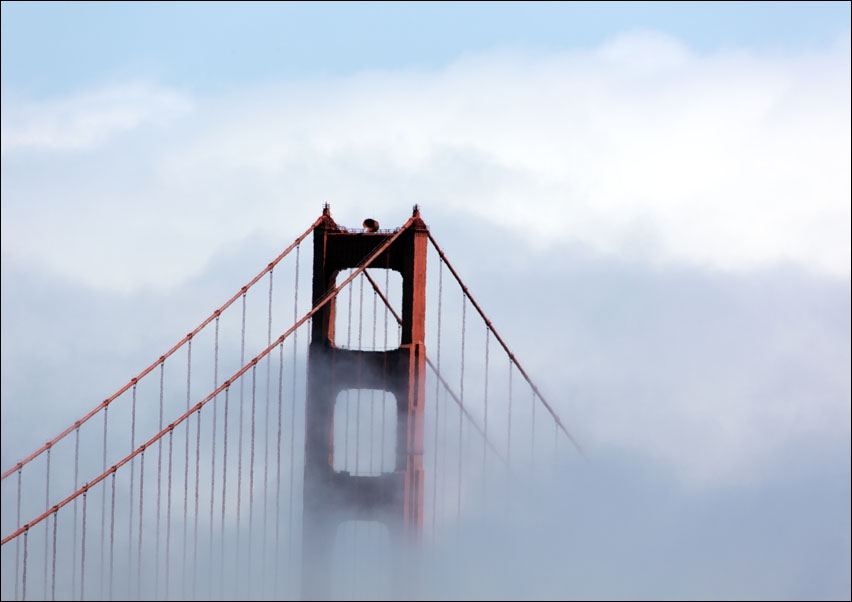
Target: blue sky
pixel 52 47
pixel 671 179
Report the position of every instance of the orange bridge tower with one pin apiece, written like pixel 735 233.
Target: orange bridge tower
pixel 394 498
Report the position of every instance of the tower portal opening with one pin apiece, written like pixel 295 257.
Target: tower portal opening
pixel 365 426
pixel 362 320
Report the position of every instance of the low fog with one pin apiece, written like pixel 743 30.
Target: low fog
pixel 661 237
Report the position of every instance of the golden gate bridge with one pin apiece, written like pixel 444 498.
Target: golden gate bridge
pixel 306 440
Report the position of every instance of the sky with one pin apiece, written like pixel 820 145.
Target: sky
pixel 650 200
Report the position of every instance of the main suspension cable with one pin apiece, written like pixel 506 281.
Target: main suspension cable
pixel 322 302
pixel 163 357
pixel 511 355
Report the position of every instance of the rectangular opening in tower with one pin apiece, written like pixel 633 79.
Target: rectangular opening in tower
pixel 361 564
pixel 362 319
pixel 365 423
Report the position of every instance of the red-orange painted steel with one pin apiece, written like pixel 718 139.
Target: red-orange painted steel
pixel 326 298
pixel 162 359
pixel 511 355
pixel 393 498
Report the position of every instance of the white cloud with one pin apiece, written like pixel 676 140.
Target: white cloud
pixel 637 147
pixel 87 119
pixel 637 150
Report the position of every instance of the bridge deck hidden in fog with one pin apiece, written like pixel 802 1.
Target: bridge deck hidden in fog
pixel 319 464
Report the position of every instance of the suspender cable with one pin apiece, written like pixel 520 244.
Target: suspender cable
pixel 251 468
pixel 83 550
pixel 509 421
pixel 224 491
pixel 266 441
pixel 132 482
pixel 132 472
pixel 240 440
pixel 355 525
pixel 177 346
pixel 293 422
pixel 141 531
pixel 372 400
pixel 213 451
pixel 169 511
pixel 358 394
pixel 24 573
pixel 485 422
pixel 324 300
pixel 448 389
pixel 53 561
pixel 437 404
pixel 461 400
pixel 159 490
pixel 74 539
pixel 511 355
pixel 103 510
pixel 348 346
pixel 293 418
pixel 195 509
pixel 385 371
pixel 46 505
pixel 186 471
pixel 277 539
pixel 112 537
pixel 18 523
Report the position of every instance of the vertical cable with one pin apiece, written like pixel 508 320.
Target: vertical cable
pixel 186 470
pixel 132 473
pixel 76 481
pixel 372 396
pixel 18 524
pixel 358 395
pixel 348 346
pixel 385 371
pixel 532 434
pixel 103 509
pixel 278 469
pixel 251 468
pixel 47 507
pixel 461 402
pixel 355 525
pixel 159 489
pixel 485 422
pixel 437 405
pixel 509 435
pixel 53 561
pixel 195 509
pixel 83 548
pixel 139 545
pixel 169 510
pixel 266 440
pixel 293 418
pixel 224 489
pixel 308 330
pixel 213 449
pixel 24 567
pixel 240 439
pixel 112 537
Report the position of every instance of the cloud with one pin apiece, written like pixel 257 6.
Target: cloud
pixel 639 148
pixel 661 237
pixel 85 120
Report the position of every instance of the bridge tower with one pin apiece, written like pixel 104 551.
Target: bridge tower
pixel 392 498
